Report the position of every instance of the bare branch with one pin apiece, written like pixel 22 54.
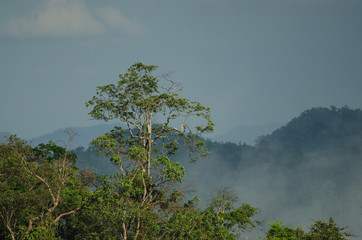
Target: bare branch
pixel 65 214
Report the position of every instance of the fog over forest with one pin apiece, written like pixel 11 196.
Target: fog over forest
pixel 308 169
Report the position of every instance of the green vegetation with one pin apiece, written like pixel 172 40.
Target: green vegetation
pixel 44 195
pixel 39 187
pixel 319 231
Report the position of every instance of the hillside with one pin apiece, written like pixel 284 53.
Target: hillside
pixel 82 135
pixel 311 168
pixel 318 128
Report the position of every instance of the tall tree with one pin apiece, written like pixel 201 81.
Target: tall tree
pixel 158 122
pixel 138 100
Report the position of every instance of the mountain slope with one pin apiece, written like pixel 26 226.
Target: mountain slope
pixel 83 135
pixel 318 128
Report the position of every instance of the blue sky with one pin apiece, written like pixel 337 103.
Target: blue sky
pixel 252 61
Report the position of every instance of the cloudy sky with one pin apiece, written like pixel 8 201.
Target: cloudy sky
pixel 252 61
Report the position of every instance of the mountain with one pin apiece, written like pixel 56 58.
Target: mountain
pixel 83 135
pixel 310 168
pixel 318 128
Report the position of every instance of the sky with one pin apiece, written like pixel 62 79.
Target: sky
pixel 253 62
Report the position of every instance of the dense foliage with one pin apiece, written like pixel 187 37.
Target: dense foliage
pixel 320 230
pixel 39 187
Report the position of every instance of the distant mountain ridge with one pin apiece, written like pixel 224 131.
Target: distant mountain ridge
pixel 327 126
pixel 82 138
pixel 310 168
pixel 84 135
pixel 317 128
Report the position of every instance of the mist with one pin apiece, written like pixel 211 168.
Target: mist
pixel 309 169
pixel 296 195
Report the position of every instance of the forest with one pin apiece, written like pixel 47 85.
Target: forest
pixel 137 181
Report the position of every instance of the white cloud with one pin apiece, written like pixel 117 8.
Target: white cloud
pixel 57 18
pixel 68 18
pixel 115 19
